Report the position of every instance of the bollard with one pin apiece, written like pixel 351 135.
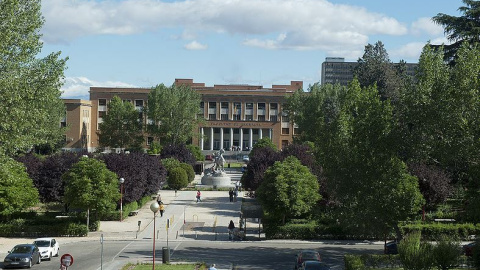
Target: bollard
pixel 165 255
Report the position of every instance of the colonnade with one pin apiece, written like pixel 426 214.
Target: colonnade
pixel 229 140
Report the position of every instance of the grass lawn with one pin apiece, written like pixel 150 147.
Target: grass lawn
pixel 164 267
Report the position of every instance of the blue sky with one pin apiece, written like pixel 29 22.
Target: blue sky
pixel 142 43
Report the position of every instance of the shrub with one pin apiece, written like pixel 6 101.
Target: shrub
pixel 353 262
pixel 415 255
pixel 432 231
pixel 177 178
pixel 446 253
pixel 189 170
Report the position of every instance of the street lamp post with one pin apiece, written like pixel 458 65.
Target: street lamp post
pixel 154 207
pixel 121 180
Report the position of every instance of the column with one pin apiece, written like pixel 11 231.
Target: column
pixel 201 138
pixel 221 138
pixel 260 134
pixel 250 140
pixel 231 137
pixel 270 133
pixel 240 142
pixel 211 138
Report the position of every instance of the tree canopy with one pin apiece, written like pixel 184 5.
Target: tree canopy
pixel 90 185
pixel 16 189
pixel 121 127
pixel 458 30
pixel 29 87
pixel 289 189
pixel 172 113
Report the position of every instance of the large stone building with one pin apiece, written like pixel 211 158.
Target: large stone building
pixel 236 116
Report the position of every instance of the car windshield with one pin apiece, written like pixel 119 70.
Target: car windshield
pixel 21 249
pixel 42 243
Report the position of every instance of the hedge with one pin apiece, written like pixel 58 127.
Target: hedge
pixel 366 261
pixel 431 231
pixel 60 229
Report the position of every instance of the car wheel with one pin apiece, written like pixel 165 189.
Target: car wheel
pixel 30 263
pixel 58 251
pixel 39 259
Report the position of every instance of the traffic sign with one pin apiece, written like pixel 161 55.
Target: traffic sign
pixel 66 260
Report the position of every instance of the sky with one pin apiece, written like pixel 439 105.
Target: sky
pixel 143 43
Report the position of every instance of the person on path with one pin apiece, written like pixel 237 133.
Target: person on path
pixel 230 194
pixel 235 194
pixel 159 199
pixel 231 227
pixel 162 209
pixel 199 196
pixel 212 267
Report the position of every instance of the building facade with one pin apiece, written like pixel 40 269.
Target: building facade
pixel 337 70
pixel 236 116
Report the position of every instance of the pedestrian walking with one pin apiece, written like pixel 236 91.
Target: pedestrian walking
pixel 231 227
pixel 199 199
pixel 212 267
pixel 162 209
pixel 159 199
pixel 230 195
pixel 235 194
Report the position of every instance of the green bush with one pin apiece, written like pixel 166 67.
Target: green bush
pixel 353 262
pixel 446 253
pixel 189 170
pixel 177 178
pixel 414 254
pixel 432 231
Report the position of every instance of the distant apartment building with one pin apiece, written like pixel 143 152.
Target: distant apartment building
pixel 336 70
pixel 236 116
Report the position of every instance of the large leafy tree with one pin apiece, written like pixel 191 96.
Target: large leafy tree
pixel 16 189
pixel 375 67
pixel 179 152
pixel 90 185
pixel 29 87
pixel 172 113
pixel 357 148
pixel 458 30
pixel 144 174
pixel 121 127
pixel 289 190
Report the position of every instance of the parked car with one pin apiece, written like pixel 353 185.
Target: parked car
pixel 468 249
pixel 391 247
pixel 306 255
pixel 48 247
pixel 314 265
pixel 24 255
pixel 246 158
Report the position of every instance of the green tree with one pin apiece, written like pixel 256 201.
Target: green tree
pixel 189 171
pixel 121 127
pixel 288 190
pixel 17 191
pixel 172 112
pixel 446 253
pixel 90 185
pixel 29 87
pixel 196 152
pixel 465 28
pixel 375 67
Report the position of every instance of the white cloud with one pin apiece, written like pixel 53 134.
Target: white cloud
pixel 409 52
pixel 306 24
pixel 426 25
pixel 194 45
pixel 78 87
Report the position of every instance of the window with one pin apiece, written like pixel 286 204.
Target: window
pixel 224 116
pixel 101 114
pixel 149 140
pixel 273 118
pixel 248 117
pixel 212 117
pixel 237 111
pixel 285 118
pixel 296 130
pixel 139 103
pixel 285 131
pixel 102 102
pixel 284 143
pixel 261 118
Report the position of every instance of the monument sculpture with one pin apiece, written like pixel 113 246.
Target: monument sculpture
pixel 216 176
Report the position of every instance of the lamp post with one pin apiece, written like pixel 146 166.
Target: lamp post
pixel 121 180
pixel 154 207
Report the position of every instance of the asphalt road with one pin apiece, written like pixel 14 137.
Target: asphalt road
pixel 265 255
